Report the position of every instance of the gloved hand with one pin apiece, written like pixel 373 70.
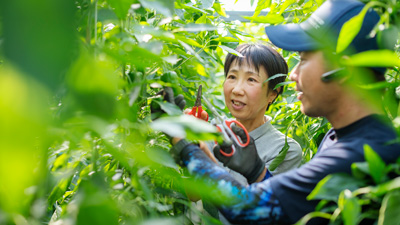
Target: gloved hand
pixel 245 161
pixel 168 95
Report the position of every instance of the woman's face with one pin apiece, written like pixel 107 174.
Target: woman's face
pixel 246 96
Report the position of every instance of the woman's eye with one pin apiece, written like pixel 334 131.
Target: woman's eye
pixel 252 79
pixel 231 77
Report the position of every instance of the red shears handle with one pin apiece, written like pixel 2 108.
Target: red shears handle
pixel 196 112
pixel 238 140
pixel 226 129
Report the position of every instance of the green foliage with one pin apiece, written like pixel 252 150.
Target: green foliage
pixel 362 197
pixel 77 78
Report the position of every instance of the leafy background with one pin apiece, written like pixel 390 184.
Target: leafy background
pixel 77 144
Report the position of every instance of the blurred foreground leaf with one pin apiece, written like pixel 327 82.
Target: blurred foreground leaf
pixel 185 126
pixel 24 119
pixel 375 164
pixel 389 211
pixel 94 84
pixel 95 205
pixel 39 37
pixel 165 7
pixel 373 58
pixel 350 30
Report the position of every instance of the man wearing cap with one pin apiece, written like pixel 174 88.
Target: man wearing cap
pixel 322 92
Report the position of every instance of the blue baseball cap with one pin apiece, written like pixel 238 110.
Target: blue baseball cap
pixel 321 30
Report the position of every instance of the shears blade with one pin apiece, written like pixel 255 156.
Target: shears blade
pixel 198 98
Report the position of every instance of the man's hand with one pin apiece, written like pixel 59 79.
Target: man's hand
pixel 245 161
pixel 168 95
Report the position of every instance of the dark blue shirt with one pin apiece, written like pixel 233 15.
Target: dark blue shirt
pixel 338 150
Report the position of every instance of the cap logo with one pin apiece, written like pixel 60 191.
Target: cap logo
pixel 315 21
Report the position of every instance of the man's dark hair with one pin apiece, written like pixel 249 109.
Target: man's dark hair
pixel 258 55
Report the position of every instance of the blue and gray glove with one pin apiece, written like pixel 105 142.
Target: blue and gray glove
pixel 245 160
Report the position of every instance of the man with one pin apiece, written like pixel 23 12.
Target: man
pixel 324 90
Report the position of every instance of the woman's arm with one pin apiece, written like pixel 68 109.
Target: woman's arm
pixel 255 204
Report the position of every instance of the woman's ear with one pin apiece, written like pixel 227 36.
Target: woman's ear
pixel 272 95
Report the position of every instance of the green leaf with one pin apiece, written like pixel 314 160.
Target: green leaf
pixel 188 41
pixel 261 4
pixel 330 187
pixel 61 161
pixel 192 52
pixel 234 31
pixel 388 37
pixel 373 58
pixel 382 189
pixel 161 157
pixel 120 7
pixel 219 9
pixel 285 5
pixel 282 84
pixel 280 157
pixel 190 8
pixel 106 15
pixel 226 39
pixel 230 50
pixel 170 109
pixel 185 126
pixel 165 7
pixel 350 30
pixel 94 200
pixel 206 4
pixel 202 19
pixel 311 215
pixel 269 18
pixel 93 84
pixel 380 85
pixel 275 76
pixel 191 27
pixel 351 209
pixel 291 99
pixel 360 170
pixel 375 164
pixel 60 189
pixel 389 211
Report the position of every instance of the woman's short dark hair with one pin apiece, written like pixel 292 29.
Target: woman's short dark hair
pixel 258 55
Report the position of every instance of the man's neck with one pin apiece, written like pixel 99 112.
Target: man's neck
pixel 349 113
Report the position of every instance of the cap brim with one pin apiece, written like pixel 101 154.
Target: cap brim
pixel 290 37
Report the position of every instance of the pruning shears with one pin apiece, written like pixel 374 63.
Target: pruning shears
pixel 225 127
pixel 197 109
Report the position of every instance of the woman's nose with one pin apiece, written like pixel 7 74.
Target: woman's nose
pixel 238 89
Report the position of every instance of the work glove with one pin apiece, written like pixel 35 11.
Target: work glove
pixel 168 95
pixel 245 160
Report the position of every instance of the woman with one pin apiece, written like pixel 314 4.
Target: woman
pixel 248 96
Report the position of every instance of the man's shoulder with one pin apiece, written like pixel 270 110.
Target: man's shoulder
pixel 375 132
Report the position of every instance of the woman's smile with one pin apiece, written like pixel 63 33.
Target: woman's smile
pixel 237 105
